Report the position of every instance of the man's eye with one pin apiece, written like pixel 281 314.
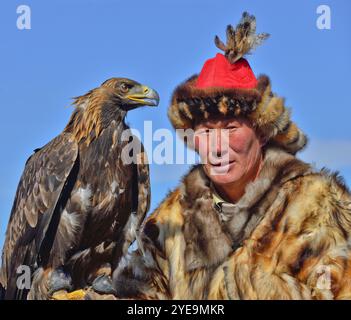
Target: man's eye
pixel 203 131
pixel 232 128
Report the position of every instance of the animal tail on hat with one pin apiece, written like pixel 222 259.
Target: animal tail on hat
pixel 241 40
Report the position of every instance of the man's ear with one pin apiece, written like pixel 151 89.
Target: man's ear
pixel 262 138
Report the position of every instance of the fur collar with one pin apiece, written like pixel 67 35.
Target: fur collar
pixel 212 234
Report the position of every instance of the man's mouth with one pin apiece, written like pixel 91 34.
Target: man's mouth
pixel 221 163
pixel 221 168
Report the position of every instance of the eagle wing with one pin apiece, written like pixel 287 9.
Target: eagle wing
pixel 141 195
pixel 143 182
pixel 40 196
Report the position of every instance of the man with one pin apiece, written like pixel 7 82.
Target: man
pixel 252 221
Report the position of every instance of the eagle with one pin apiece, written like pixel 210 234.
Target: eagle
pixel 79 202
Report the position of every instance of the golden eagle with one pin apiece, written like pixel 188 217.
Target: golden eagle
pixel 78 204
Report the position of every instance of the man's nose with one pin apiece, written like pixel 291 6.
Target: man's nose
pixel 218 141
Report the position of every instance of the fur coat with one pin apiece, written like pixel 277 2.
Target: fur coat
pixel 288 237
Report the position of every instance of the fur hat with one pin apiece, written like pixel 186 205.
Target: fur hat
pixel 227 87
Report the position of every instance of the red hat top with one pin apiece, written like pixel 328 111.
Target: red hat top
pixel 232 70
pixel 219 72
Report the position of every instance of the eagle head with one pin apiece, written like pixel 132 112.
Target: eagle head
pixel 98 108
pixel 129 94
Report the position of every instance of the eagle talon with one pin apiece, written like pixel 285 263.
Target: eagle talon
pixel 64 295
pixel 59 281
pixel 103 285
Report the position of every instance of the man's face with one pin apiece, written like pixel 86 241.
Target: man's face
pixel 230 149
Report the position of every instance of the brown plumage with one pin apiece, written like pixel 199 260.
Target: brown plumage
pixel 78 204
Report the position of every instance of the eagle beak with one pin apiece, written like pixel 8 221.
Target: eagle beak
pixel 145 96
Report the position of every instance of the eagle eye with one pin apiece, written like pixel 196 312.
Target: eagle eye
pixel 124 87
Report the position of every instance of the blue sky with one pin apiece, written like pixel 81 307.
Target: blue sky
pixel 73 46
